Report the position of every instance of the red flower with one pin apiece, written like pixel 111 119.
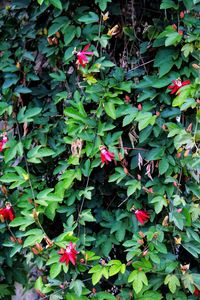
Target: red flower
pixel 81 55
pixel 3 142
pixel 177 84
pixel 141 216
pixel 69 254
pixel 196 291
pixel 7 212
pixel 106 156
pixel 182 14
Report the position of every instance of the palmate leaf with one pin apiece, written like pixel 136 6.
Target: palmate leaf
pixel 138 279
pixel 173 282
pixel 4 290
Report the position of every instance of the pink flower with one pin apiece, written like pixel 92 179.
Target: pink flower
pixel 7 212
pixel 81 55
pixel 142 216
pixel 106 156
pixel 3 142
pixel 177 84
pixel 68 254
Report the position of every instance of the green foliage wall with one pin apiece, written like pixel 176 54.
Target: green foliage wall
pixel 60 117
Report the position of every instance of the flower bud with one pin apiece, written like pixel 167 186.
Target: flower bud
pixel 140 242
pixel 35 251
pixel 141 234
pixel 39 247
pixel 195 66
pixel 82 261
pixel 145 252
pixel 13 239
pixel 186 153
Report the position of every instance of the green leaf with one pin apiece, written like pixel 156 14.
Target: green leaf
pixel 53 259
pixel 68 54
pixel 55 270
pixel 69 36
pixel 159 202
pixel 102 4
pixel 145 119
pixel 138 278
pixel 114 270
pixel 168 4
pixel 173 282
pixel 10 177
pixel 193 248
pixel 32 239
pixel 187 49
pixel 58 76
pixel 56 3
pixel 164 60
pixel 9 82
pixel 155 154
pixel 26 115
pixel 163 165
pixel 96 277
pixel 77 285
pixel 44 152
pixel 39 284
pixel 22 90
pixel 23 222
pixel 89 18
pixel 58 23
pixel 173 39
pixel 110 110
pixel 133 185
pixel 73 113
pixel 86 216
pixel 189 4
pixel 132 113
pixel 104 296
pixel 15 249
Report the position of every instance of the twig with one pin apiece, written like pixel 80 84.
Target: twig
pixel 123 201
pixel 148 62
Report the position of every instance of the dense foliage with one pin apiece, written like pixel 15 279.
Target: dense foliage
pixel 99 148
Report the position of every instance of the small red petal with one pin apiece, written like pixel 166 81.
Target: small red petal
pixel 86 47
pixel 196 291
pixel 186 82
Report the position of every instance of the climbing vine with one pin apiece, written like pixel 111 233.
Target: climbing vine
pixel 99 149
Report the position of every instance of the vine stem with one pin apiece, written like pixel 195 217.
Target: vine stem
pixel 30 183
pixel 87 183
pixel 8 227
pixel 130 148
